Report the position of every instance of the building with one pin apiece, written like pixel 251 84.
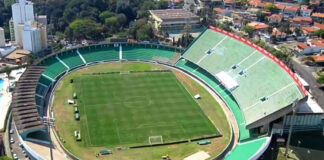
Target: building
pixel 290 11
pixel 18 34
pixel 32 38
pixel 22 12
pixel 318 17
pixel 42 20
pixel 173 19
pixel 11 30
pixel 301 21
pixel 275 18
pixel 305 12
pixel 17 56
pixel 2 38
pixel 319 26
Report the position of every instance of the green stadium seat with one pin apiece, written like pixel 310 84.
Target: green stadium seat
pixel 71 58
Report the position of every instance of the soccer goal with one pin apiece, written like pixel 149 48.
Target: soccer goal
pixel 155 140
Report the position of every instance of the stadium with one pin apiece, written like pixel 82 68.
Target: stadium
pixel 134 98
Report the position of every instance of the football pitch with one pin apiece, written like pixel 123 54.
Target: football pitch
pixel 128 108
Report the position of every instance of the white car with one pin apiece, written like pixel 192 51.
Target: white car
pixel 11 131
pixel 14 156
pixel 11 140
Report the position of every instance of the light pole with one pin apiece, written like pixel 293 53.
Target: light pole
pixel 49 122
pixel 290 128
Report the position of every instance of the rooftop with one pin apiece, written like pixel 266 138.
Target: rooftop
pixel 219 10
pixel 318 25
pixel 275 16
pixel 304 19
pixel 280 6
pixel 318 58
pixel 257 25
pixel 166 14
pixel 302 45
pixel 16 54
pixel 291 8
pixel 320 15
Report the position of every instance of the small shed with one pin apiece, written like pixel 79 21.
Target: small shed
pixel 105 152
pixel 204 142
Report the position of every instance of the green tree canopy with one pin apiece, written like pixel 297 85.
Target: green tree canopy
pixel 248 30
pixel 319 33
pixel 85 29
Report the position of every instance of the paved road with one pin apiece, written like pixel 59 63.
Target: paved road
pixel 15 148
pixel 306 73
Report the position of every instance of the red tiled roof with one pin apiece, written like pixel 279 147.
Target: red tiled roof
pixel 291 8
pixel 276 32
pixel 257 25
pixel 308 29
pixel 257 3
pixel 280 6
pixel 318 58
pixel 303 6
pixel 318 25
pixel 302 45
pixel 219 10
pixel 229 1
pixel 300 19
pixel 318 43
pixel 275 16
pixel 321 15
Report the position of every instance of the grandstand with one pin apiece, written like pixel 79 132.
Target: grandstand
pixel 25 113
pixel 265 90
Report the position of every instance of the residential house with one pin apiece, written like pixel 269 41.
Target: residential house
pixel 305 12
pixel 308 30
pixel 229 4
pixel 222 12
pixel 258 28
pixel 290 11
pixel 316 42
pixel 280 7
pixel 319 26
pixel 275 18
pixel 301 46
pixel 278 34
pixel 318 17
pixel 301 21
pixel 257 3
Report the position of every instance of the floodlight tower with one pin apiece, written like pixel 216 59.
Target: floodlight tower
pixel 49 123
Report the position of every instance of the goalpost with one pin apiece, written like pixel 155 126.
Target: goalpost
pixel 155 140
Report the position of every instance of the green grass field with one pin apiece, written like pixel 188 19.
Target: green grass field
pixel 65 124
pixel 126 109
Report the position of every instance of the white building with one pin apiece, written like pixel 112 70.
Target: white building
pixel 22 12
pixel 31 38
pixel 2 38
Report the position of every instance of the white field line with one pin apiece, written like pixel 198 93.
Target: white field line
pixel 274 93
pixel 212 49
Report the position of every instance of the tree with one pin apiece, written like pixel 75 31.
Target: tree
pixel 248 30
pixel 141 30
pixel 7 70
pixel 85 29
pixel 319 33
pixel 270 7
pixel 105 14
pixel 260 16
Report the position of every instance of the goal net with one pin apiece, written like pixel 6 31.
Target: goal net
pixel 155 140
